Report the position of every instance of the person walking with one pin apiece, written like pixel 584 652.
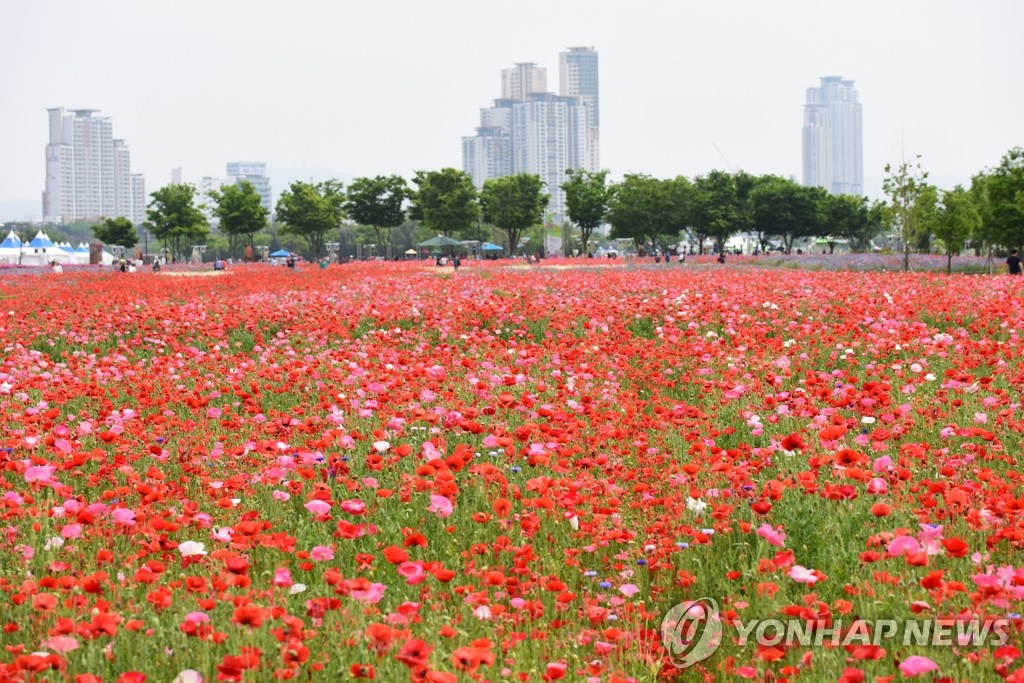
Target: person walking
pixel 1013 263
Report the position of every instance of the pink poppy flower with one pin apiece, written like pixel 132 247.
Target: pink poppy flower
pixel 774 536
pixel 915 665
pixel 371 595
pixel 802 574
pixel 318 507
pixel 321 553
pixel 440 506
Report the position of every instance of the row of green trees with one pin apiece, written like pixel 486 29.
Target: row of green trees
pixel 652 212
pixel 987 216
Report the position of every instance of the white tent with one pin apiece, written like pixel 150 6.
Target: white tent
pixel 10 248
pixel 41 251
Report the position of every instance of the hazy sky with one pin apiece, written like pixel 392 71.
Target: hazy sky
pixel 371 87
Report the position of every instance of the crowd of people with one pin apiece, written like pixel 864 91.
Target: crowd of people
pixel 1013 261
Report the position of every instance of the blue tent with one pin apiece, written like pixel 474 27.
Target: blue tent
pixel 488 246
pixel 12 241
pixel 41 241
pixel 281 253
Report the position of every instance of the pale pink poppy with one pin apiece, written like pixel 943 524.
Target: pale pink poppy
pixel 915 665
pixel 802 574
pixel 769 533
pixel 440 506
pixel 371 595
pixel 318 507
pixel 321 553
pixel 413 572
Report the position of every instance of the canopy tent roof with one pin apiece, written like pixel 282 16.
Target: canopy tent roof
pixel 410 252
pixel 490 246
pixel 12 241
pixel 281 253
pixel 41 240
pixel 440 241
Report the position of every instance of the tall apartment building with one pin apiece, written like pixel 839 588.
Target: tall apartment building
pixel 530 130
pixel 523 79
pixel 577 77
pixel 256 173
pixel 88 172
pixel 833 149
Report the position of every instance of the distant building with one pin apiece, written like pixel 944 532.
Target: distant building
pixel 206 185
pixel 578 77
pixel 256 173
pixel 88 172
pixel 833 150
pixel 522 80
pixel 176 176
pixel 138 185
pixel 531 130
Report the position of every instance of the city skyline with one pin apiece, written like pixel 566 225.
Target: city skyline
pixel 368 90
pixel 532 130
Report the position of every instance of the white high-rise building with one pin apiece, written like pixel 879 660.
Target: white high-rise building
pixel 138 200
pixel 549 136
pixel 523 80
pixel 833 150
pixel 530 130
pixel 256 173
pixel 88 173
pixel 578 77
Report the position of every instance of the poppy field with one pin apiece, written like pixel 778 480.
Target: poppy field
pixel 393 472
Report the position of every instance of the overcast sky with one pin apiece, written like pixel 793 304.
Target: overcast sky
pixel 369 87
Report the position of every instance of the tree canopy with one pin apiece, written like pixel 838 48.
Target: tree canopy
pixel 957 220
pixel 445 201
pixel 905 184
pixel 587 199
pixel 999 194
pixel 174 218
pixel 116 231
pixel 240 211
pixel 514 204
pixel 311 210
pixel 378 203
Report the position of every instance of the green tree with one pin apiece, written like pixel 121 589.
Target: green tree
pixel 310 211
pixel 771 199
pixel 846 217
pixel 905 186
pixel 514 204
pixel 587 197
pixel 240 211
pixel 1000 196
pixel 634 209
pixel 717 212
pixel 675 207
pixel 958 219
pixel 445 201
pixel 174 218
pixel 378 203
pixel 116 231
